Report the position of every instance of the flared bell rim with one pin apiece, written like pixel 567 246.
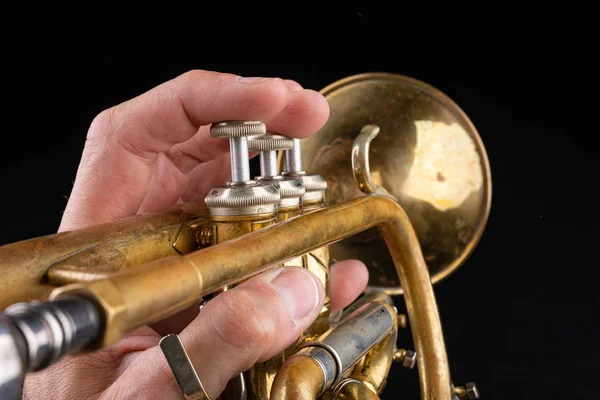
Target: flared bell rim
pixel 485 207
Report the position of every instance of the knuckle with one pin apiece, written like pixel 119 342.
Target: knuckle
pixel 193 74
pixel 101 122
pixel 242 322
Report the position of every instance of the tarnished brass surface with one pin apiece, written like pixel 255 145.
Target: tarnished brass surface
pixel 317 262
pixel 231 227
pixel 30 269
pixel 374 368
pixel 260 376
pixel 288 212
pixel 428 155
pixel 192 236
pixel 371 369
pixel 148 293
pixel 354 389
pixel 361 165
pixel 312 205
pixel 301 378
pixel 205 235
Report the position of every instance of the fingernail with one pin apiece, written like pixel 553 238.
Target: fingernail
pixel 298 290
pixel 252 79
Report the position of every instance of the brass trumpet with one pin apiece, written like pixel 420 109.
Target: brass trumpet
pixel 398 178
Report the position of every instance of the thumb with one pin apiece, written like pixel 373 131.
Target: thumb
pixel 248 324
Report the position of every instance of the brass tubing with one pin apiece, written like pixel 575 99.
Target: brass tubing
pixel 300 378
pixel 184 279
pixel 103 248
pixel 353 389
pixel 373 369
pixel 364 343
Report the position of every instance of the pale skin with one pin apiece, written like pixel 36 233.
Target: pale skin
pixel 152 152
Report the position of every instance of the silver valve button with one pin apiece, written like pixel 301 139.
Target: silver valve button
pixel 290 190
pixel 238 133
pixel 268 146
pixel 314 185
pixel 242 195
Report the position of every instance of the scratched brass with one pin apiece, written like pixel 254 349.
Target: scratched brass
pixel 31 269
pixel 428 155
pixel 261 376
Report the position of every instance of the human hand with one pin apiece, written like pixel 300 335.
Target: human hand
pixel 152 152
pixel 155 150
pixel 248 324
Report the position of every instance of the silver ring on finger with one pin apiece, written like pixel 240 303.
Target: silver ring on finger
pixel 182 368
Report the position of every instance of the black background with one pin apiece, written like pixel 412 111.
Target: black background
pixel 520 316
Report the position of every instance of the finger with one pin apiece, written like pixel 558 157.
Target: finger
pixel 293 85
pixel 120 156
pixel 76 376
pixel 347 280
pixel 304 113
pixel 194 186
pixel 175 111
pixel 245 325
pixel 172 112
pixel 205 176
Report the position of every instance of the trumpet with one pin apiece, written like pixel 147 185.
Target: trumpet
pixel 398 177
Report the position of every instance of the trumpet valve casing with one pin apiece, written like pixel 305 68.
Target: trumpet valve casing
pixel 237 209
pixel 316 261
pixel 314 184
pixel 242 205
pixel 290 190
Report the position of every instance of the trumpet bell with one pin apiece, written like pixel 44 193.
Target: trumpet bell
pixel 428 155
